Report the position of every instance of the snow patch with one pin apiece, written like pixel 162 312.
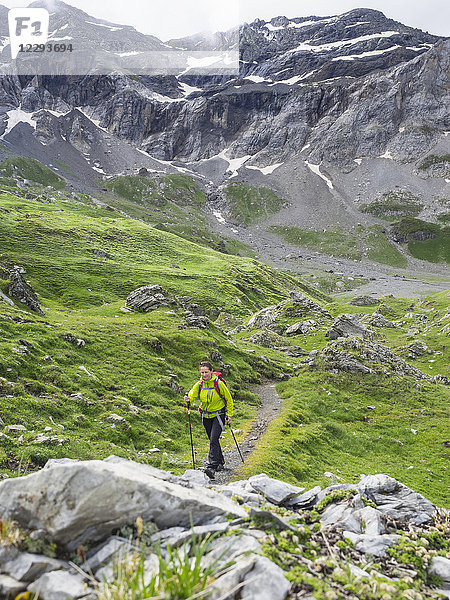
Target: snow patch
pixel 387 154
pixel 316 169
pixel 256 78
pixel 234 164
pixel 364 54
pixel 356 24
pixel 401 129
pixel 305 147
pixel 358 161
pixel 110 27
pixel 64 27
pixel 189 89
pixel 265 170
pixel 17 116
pixel 134 53
pixel 305 46
pixel 219 216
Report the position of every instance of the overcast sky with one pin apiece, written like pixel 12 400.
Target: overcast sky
pixel 175 18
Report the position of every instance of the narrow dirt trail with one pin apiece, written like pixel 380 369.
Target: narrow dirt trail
pixel 269 408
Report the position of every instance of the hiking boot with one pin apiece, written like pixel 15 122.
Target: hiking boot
pixel 210 472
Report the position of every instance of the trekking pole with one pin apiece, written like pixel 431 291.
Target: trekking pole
pixel 232 433
pixel 190 431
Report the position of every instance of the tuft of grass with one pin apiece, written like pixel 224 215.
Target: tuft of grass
pixel 249 204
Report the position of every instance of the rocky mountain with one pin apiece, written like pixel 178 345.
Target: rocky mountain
pixel 336 115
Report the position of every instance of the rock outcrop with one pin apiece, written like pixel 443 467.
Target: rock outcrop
pixel 73 502
pixel 21 291
pixel 148 298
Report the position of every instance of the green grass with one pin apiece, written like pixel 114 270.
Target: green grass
pixel 334 242
pixel 172 204
pixel 380 250
pixel 427 241
pixel 433 159
pixel 179 189
pixel 326 425
pixel 31 169
pixel 129 358
pixel 394 205
pixel 249 204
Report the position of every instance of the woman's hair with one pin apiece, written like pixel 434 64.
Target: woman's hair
pixel 206 363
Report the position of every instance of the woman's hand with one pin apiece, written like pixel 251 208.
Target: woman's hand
pixel 187 400
pixel 228 420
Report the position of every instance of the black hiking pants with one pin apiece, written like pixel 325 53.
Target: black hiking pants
pixel 214 430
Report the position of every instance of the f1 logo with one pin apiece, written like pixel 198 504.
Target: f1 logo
pixel 27 26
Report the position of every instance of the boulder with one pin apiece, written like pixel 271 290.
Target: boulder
pixel 148 298
pixel 261 579
pixel 26 566
pixel 10 587
pixel 59 585
pixel 300 327
pixel 440 566
pixel 376 545
pixel 86 500
pixel 274 490
pixel 265 318
pixel 21 291
pixel 395 500
pixel 193 320
pixel 346 326
pixel 364 301
pixel 379 320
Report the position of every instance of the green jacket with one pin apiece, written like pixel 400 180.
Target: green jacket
pixel 210 401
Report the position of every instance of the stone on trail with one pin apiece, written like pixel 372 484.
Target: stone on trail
pixel 274 490
pixel 195 476
pixel 86 500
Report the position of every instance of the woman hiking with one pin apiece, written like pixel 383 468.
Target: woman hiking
pixel 216 409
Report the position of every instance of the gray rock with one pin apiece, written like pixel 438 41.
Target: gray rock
pixel 59 585
pixel 395 500
pixel 266 516
pixel 199 531
pixel 379 320
pixel 364 301
pixel 274 490
pixel 376 545
pixel 300 327
pixel 197 321
pixel 348 325
pixel 264 319
pixel 196 477
pixel 99 557
pixel 27 567
pixel 440 566
pixel 228 549
pixel 21 291
pixel 148 298
pixel 10 587
pixel 265 581
pixel 305 500
pixel 86 500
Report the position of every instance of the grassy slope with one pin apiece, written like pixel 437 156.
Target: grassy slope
pixel 326 425
pixel 370 242
pixel 128 357
pixel 248 204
